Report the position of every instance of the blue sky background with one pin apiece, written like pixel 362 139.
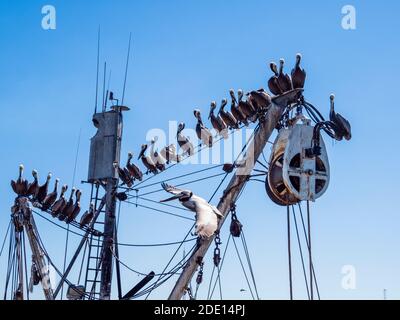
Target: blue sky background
pixel 186 54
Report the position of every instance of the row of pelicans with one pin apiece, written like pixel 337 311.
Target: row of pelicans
pixel 58 205
pixel 242 112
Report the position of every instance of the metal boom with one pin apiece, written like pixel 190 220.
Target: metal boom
pixel 238 181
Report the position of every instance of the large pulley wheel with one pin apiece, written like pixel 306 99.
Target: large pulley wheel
pixel 305 175
pixel 275 185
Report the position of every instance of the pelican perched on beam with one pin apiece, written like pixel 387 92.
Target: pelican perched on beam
pixel 147 162
pixel 236 112
pixel 20 186
pixel 245 106
pixel 206 214
pixel 227 117
pixel 133 169
pixel 341 125
pixel 283 78
pixel 298 74
pixel 202 132
pixel 158 160
pixel 169 154
pixel 184 141
pixel 273 83
pixel 217 122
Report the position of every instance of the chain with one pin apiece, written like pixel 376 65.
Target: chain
pixel 236 226
pixel 217 251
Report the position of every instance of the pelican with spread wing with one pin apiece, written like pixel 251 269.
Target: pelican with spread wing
pixel 207 215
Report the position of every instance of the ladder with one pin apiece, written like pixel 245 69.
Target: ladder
pixel 94 259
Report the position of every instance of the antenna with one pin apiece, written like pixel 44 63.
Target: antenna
pixel 126 67
pixel 104 88
pixel 97 70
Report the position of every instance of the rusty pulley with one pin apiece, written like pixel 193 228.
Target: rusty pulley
pixel 296 174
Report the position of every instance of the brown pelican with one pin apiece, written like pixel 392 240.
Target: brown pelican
pixel 342 126
pixel 20 186
pixel 42 190
pixel 51 197
pixel 245 106
pixel 298 74
pixel 155 156
pixel 169 154
pixel 59 205
pixel 183 141
pixel 124 175
pixel 283 78
pixel 33 186
pixel 133 169
pixel 87 216
pixel 273 83
pixel 217 122
pixel 202 132
pixel 227 117
pixel 68 208
pixel 236 112
pixel 76 208
pixel 147 162
pixel 206 214
pixel 260 99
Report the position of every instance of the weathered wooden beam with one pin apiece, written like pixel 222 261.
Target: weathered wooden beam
pixel 238 181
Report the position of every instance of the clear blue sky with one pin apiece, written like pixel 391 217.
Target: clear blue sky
pixel 186 54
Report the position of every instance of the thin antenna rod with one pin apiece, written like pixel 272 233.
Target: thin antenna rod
pixel 104 87
pixel 97 71
pixel 126 67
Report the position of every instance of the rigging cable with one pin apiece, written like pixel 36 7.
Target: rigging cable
pixel 73 182
pixel 301 252
pixel 307 242
pixel 5 238
pixel 243 269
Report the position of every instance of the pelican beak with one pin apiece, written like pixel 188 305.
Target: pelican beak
pixel 172 198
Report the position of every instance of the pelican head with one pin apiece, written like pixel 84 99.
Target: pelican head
pixel 142 151
pixel 130 155
pixel 64 188
pixel 196 113
pixel 21 167
pixel 332 98
pixel 35 174
pixel 232 93
pixel 224 102
pixel 49 176
pixel 274 68
pixel 240 94
pixel 115 164
pixel 212 108
pixel 182 196
pixel 298 58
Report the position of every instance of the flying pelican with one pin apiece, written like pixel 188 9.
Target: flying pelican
pixel 245 106
pixel 147 162
pixel 283 78
pixel 273 83
pixel 202 132
pixel 155 156
pixel 227 117
pixel 20 186
pixel 206 214
pixel 169 154
pixel 87 216
pixel 33 186
pixel 133 169
pixel 183 141
pixel 42 190
pixel 342 126
pixel 216 121
pixel 236 112
pixel 298 74
pixel 59 205
pixel 51 197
